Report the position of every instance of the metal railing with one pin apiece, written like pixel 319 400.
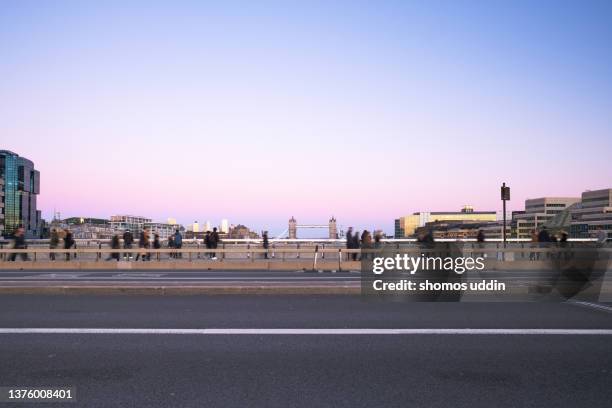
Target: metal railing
pixel 254 253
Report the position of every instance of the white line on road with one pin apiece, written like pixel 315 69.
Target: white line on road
pixel 597 306
pixel 580 332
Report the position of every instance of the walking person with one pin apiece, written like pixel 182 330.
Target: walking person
pixel 171 245
pixel 68 242
pixel 534 243
pixel 115 244
pixel 143 243
pixel 349 242
pixel 480 239
pixel 207 243
pixel 128 240
pixel 214 242
pixel 266 243
pixel 156 244
pixel 366 244
pixel 53 243
pixel 544 240
pixel 19 243
pixel 356 245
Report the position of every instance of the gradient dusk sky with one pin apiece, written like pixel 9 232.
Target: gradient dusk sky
pixel 257 111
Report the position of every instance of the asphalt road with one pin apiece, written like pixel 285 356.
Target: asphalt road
pixel 352 370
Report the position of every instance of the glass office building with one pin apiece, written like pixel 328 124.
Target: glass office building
pixel 21 185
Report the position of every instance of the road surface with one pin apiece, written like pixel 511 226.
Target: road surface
pixel 179 363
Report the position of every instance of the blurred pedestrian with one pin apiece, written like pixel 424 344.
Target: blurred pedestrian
pixel 207 243
pixel 156 244
pixel 53 243
pixel 144 243
pixel 69 242
pixel 266 243
pixel 349 242
pixel 19 243
pixel 128 240
pixel 534 243
pixel 356 245
pixel 171 245
pixel 115 244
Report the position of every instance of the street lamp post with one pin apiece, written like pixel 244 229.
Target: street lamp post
pixel 505 196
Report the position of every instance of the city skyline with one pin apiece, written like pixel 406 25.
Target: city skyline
pixel 258 113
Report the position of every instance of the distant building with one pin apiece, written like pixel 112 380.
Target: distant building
pixel 463 229
pixel 172 221
pixel 88 228
pixel 131 222
pixel 407 226
pixel 163 230
pixel 241 232
pixel 594 213
pixel 538 212
pixel 20 187
pixel 207 226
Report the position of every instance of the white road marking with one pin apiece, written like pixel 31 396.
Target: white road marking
pixel 575 332
pixel 597 306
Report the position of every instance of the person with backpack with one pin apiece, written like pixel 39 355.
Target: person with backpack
pixel 178 243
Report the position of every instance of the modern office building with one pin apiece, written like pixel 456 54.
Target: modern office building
pixel 1 207
pixel 20 187
pixel 406 226
pixel 593 214
pixel 538 212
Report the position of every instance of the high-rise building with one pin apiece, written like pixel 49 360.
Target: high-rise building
pixel 539 211
pixel 207 226
pixel 224 226
pixel 1 207
pixel 171 221
pixel 195 227
pixel 20 187
pixel 406 226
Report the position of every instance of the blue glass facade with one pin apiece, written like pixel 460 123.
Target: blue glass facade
pixel 21 187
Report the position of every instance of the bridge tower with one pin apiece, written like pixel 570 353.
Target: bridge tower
pixel 333 229
pixel 292 228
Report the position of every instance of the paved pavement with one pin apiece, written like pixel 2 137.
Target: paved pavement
pixel 352 370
